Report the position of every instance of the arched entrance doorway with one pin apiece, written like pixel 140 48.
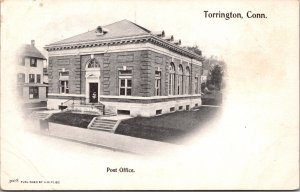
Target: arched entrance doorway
pixel 92 79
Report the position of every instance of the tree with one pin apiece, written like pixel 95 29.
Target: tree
pixel 194 49
pixel 216 76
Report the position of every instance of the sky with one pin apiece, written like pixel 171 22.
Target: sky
pixel 50 21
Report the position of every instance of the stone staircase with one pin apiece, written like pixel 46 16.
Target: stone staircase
pixel 108 113
pixel 40 115
pixel 102 124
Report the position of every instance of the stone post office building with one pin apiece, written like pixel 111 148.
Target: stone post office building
pixel 127 68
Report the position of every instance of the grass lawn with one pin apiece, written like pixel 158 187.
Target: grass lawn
pixel 72 119
pixel 169 127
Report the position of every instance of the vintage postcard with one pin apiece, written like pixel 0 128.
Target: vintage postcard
pixel 148 95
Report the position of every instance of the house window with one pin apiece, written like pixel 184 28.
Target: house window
pixel 31 78
pixel 172 79
pixel 187 82
pixel 33 92
pixel 21 60
pixel 21 78
pixel 157 83
pixel 38 78
pixel 196 85
pixel 64 82
pixel 180 80
pixel 33 62
pixel 125 82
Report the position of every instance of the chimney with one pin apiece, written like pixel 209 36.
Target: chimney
pixel 32 43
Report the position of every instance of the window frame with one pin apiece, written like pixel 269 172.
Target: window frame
pixel 157 83
pixel 35 95
pixel 93 64
pixel 33 64
pixel 188 79
pixel 22 61
pixel 180 85
pixel 127 77
pixel 21 78
pixel 171 81
pixel 29 78
pixel 64 85
pixel 38 78
pixel 196 85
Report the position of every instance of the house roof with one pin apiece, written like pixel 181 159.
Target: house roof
pixel 120 32
pixel 123 28
pixel 28 50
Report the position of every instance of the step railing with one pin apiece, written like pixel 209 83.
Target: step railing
pixel 91 123
pixel 93 105
pixel 69 104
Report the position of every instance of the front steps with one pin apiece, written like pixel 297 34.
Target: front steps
pixel 101 124
pixel 108 113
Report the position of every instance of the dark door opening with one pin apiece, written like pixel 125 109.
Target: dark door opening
pixel 93 92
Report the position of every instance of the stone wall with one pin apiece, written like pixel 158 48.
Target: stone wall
pixel 143 64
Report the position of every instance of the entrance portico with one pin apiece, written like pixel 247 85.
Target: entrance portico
pixel 92 76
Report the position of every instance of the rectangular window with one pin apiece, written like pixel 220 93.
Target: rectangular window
pixel 171 83
pixel 21 60
pixel 187 86
pixel 180 108
pixel 196 85
pixel 33 92
pixel 64 82
pixel 157 83
pixel 172 109
pixel 31 78
pixel 123 112
pixel 64 87
pixel 21 78
pixel 158 112
pixel 125 82
pixel 187 107
pixel 33 62
pixel 38 78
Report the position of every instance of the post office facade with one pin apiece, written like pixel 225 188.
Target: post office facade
pixel 125 67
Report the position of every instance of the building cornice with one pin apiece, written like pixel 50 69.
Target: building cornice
pixel 129 40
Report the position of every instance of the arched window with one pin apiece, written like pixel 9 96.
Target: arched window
pixel 171 79
pixel 93 63
pixel 187 81
pixel 180 80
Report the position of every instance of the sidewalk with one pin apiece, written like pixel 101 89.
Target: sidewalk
pixel 109 140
